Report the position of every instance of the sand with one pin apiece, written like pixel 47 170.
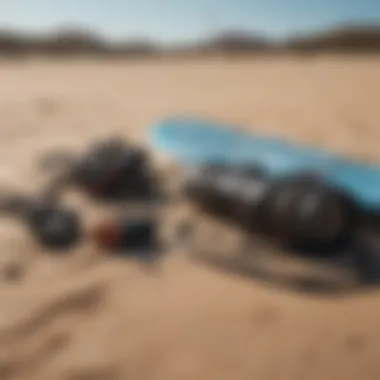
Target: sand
pixel 87 316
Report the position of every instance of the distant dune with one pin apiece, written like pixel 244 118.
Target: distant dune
pixel 340 40
pixel 83 42
pixel 68 43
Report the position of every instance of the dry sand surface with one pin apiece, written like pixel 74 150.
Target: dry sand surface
pixel 84 316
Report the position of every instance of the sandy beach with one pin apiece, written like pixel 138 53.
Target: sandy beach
pixel 87 316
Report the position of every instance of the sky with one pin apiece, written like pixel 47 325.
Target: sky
pixel 172 21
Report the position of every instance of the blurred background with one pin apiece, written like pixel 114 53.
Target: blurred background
pixel 72 71
pixel 145 28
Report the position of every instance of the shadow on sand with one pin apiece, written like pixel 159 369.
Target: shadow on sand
pixel 349 269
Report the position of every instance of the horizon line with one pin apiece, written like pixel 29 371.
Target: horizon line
pixel 103 36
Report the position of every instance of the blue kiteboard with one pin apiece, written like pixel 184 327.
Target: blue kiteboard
pixel 191 141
